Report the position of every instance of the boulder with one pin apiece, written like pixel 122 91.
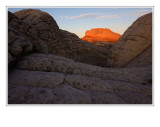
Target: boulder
pixel 60 42
pixel 18 30
pixel 18 45
pixel 42 25
pixel 20 40
pixel 136 39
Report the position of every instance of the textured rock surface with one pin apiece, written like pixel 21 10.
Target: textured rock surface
pixel 59 95
pixel 144 59
pixel 21 40
pixel 56 68
pixel 54 74
pixel 41 95
pixel 100 35
pixel 52 63
pixel 60 42
pixel 52 79
pixel 17 29
pixel 36 78
pixel 76 85
pixel 42 25
pixel 136 39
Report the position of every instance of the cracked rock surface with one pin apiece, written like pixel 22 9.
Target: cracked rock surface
pixel 53 63
pixel 100 85
pixel 48 65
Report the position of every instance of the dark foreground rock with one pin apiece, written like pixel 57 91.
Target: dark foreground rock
pixel 40 72
pixel 52 87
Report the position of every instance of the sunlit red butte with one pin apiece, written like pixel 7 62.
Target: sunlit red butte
pixel 101 35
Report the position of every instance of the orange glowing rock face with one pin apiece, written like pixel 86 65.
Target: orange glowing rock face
pixel 101 35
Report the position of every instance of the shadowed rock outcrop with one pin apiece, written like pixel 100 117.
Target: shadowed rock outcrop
pixel 136 39
pixel 20 40
pixel 53 66
pixel 17 29
pixel 57 41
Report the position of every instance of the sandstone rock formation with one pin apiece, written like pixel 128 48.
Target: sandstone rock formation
pixel 136 39
pixel 48 38
pixel 53 66
pixel 101 35
pixel 20 40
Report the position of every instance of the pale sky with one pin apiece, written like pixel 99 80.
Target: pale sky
pixel 78 20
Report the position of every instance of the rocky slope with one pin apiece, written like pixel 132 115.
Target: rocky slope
pixel 51 66
pixel 101 35
pixel 56 41
pixel 135 41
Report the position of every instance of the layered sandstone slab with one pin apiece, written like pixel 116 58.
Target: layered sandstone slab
pixel 101 35
pixel 65 94
pixel 32 87
pixel 52 63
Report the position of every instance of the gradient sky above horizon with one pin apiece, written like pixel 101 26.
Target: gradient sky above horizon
pixel 78 20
